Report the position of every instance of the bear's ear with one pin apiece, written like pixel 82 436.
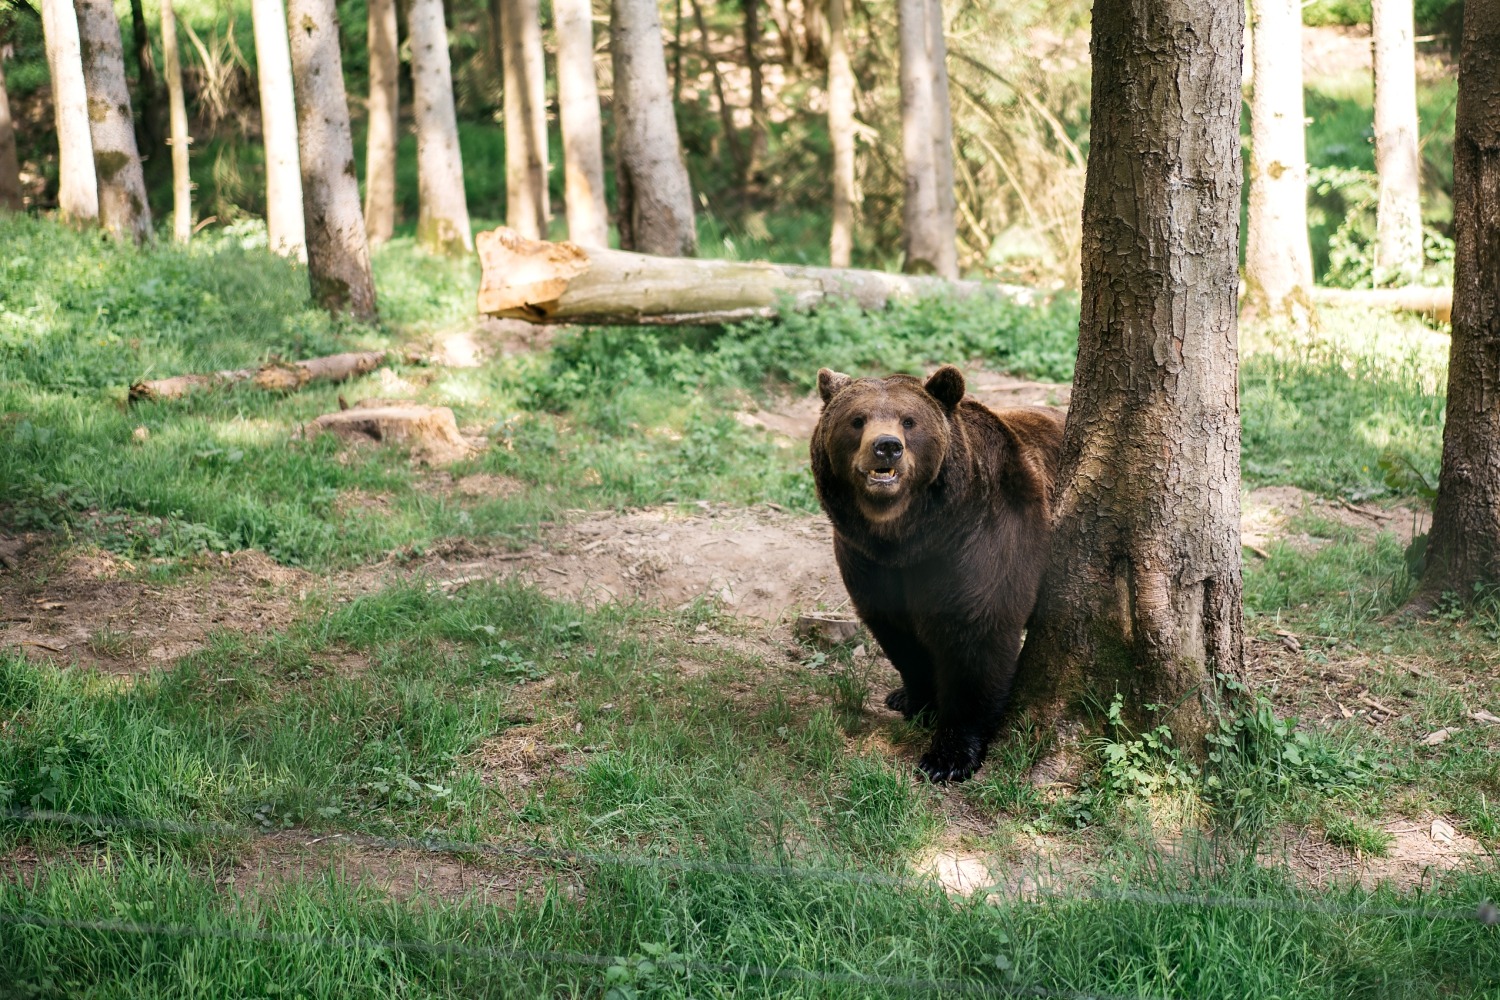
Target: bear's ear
pixel 947 386
pixel 830 382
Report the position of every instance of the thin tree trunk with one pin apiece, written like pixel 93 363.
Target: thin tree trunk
pixel 942 143
pixel 10 166
pixel 443 215
pixel 182 180
pixel 1278 260
pixel 385 122
pixel 278 127
pixel 1463 547
pixel 77 184
pixel 841 133
pixel 1142 592
pixel 1398 225
pixel 123 210
pixel 755 162
pixel 578 114
pixel 148 89
pixel 338 257
pixel 726 112
pixel 655 200
pixel 920 210
pixel 677 53
pixel 526 208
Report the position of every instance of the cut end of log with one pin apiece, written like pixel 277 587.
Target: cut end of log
pixel 826 628
pixel 429 432
pixel 524 278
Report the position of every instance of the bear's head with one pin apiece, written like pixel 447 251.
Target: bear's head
pixel 884 439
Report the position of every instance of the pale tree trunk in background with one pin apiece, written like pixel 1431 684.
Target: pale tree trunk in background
pixel 338 258
pixel 278 127
pixel 1142 591
pixel 385 123
pixel 182 181
pixel 1278 259
pixel 77 184
pixel 10 166
pixel 123 211
pixel 841 133
pixel 1463 547
pixel 443 213
pixel 1398 236
pixel 755 161
pixel 655 207
pixel 942 142
pixel 921 209
pixel 578 113
pixel 526 208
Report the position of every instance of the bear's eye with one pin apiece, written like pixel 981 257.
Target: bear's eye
pixel 908 423
pixel 858 422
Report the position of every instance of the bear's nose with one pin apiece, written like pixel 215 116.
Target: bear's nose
pixel 888 448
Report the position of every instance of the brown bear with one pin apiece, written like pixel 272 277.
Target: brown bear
pixel 941 509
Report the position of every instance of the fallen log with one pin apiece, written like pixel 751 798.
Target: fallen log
pixel 566 283
pixel 276 376
pixel 1435 302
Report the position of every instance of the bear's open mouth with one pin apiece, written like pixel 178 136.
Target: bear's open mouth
pixel 884 477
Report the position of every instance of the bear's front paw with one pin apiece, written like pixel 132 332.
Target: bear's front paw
pixel 900 700
pixel 952 758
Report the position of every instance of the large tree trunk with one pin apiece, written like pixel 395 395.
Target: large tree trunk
pixel 927 243
pixel 526 207
pixel 77 184
pixel 338 258
pixel 443 215
pixel 10 166
pixel 278 127
pixel 841 135
pixel 565 283
pixel 123 210
pixel 1142 592
pixel 1278 260
pixel 385 122
pixel 182 180
pixel 654 212
pixel 1463 547
pixel 578 112
pixel 1398 227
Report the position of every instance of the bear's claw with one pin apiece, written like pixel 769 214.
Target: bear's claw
pixel 953 761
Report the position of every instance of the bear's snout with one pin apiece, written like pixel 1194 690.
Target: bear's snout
pixel 888 448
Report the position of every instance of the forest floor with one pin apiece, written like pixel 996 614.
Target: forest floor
pixel 290 717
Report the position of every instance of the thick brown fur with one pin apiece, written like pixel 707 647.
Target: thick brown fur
pixel 942 546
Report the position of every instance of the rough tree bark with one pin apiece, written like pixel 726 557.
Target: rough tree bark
pixel 123 210
pixel 10 165
pixel 654 210
pixel 942 140
pixel 841 134
pixel 526 201
pixel 385 122
pixel 1463 547
pixel 927 243
pixel 278 127
pixel 578 114
pixel 443 212
pixel 77 184
pixel 1278 259
pixel 182 181
pixel 1142 593
pixel 1398 225
pixel 338 258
